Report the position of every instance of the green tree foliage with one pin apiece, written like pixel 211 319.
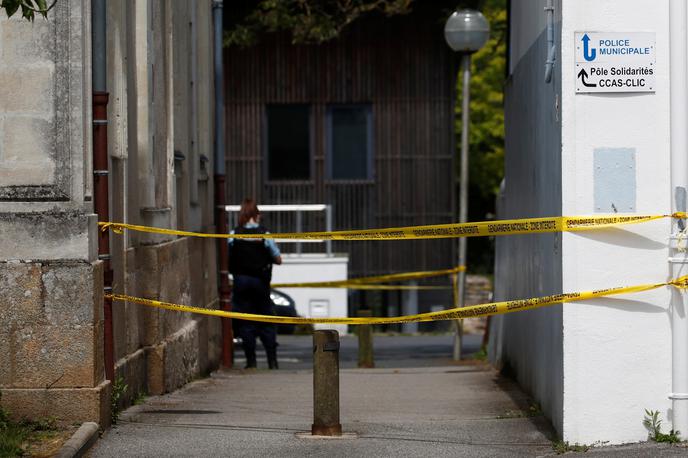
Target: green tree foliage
pixel 29 8
pixel 308 21
pixel 487 106
pixel 486 139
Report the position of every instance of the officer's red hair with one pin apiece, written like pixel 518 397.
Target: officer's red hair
pixel 249 210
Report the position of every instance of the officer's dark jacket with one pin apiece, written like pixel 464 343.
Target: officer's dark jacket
pixel 250 257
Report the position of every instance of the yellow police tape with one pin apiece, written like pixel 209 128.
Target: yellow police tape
pixel 473 311
pixel 363 286
pixel 374 282
pixel 434 231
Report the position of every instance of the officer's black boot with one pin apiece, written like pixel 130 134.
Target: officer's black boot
pixel 272 358
pixel 250 359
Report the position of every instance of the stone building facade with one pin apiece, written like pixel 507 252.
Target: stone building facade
pixel 160 142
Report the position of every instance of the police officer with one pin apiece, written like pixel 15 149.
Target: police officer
pixel 250 262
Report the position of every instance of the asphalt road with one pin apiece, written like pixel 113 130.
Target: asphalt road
pixel 391 351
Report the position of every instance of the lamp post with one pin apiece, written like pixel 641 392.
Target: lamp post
pixel 466 31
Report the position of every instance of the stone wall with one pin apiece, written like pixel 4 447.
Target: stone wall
pixel 159 77
pixel 162 49
pixel 51 282
pixel 52 326
pixel 478 291
pixel 160 350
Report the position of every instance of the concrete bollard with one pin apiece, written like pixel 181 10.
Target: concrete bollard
pixel 366 358
pixel 326 384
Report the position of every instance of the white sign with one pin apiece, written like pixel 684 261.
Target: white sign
pixel 615 62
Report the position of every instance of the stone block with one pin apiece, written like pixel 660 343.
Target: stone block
pixel 141 279
pixel 210 266
pixel 26 173
pixel 27 140
pixel 66 405
pixel 203 270
pixel 27 159
pixel 76 37
pixel 120 325
pixel 54 108
pixel 197 271
pixel 156 217
pixel 98 285
pixel 147 279
pixel 214 340
pixel 24 43
pixel 181 357
pixel 6 361
pixel 175 278
pixel 54 235
pixel 120 329
pixel 50 356
pixel 178 346
pixel 20 284
pixel 133 369
pixel 175 361
pixel 99 352
pixel 151 324
pixel 478 289
pixel 50 324
pixel 203 363
pixel 156 369
pixel 72 294
pixel 14 96
pixel 169 273
pixel 134 327
pixel 80 104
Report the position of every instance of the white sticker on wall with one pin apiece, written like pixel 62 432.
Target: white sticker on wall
pixel 319 308
pixel 615 61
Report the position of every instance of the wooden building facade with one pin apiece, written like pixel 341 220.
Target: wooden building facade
pixel 364 122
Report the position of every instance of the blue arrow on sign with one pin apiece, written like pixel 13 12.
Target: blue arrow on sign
pixel 588 53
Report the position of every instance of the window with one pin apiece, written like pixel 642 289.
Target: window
pixel 349 142
pixel 288 142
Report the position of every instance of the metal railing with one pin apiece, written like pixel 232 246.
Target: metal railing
pixel 233 213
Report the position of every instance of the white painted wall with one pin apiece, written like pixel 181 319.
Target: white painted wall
pixel 594 366
pixel 617 351
pixel 530 265
pixel 313 268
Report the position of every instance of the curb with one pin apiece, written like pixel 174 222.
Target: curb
pixel 80 442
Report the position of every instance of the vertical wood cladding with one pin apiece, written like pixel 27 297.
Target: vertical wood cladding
pixel 399 66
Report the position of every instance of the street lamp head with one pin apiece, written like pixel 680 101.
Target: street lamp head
pixel 466 31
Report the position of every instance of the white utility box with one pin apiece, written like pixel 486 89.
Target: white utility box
pixel 315 302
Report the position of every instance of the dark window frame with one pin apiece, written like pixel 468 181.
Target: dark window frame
pixel 266 147
pixel 370 159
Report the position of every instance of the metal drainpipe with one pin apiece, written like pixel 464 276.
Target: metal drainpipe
pixel 220 212
pixel 101 170
pixel 551 50
pixel 679 180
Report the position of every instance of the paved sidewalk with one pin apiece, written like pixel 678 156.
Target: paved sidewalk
pixel 438 411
